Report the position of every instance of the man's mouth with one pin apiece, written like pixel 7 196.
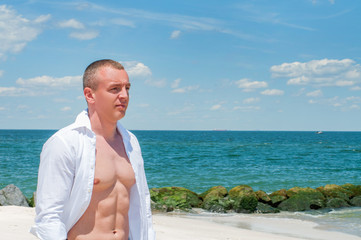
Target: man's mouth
pixel 123 105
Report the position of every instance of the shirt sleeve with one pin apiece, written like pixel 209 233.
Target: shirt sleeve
pixel 55 181
pixel 151 232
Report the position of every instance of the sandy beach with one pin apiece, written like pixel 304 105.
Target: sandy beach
pixel 16 221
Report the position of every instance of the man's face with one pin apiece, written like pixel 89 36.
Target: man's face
pixel 112 94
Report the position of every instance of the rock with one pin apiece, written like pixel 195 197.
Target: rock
pixel 265 208
pixel 218 191
pixel 173 198
pixel 245 200
pixel 337 203
pixel 278 196
pixel 263 196
pixel 335 191
pixel 354 189
pixel 11 195
pixel 215 200
pixel 32 200
pixel 221 205
pixel 301 199
pixel 356 201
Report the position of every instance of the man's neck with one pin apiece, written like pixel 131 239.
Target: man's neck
pixel 101 127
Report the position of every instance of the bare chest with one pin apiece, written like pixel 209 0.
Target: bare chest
pixel 112 166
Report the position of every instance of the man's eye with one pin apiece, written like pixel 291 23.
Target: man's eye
pixel 114 89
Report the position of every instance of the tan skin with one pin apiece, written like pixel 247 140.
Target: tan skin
pixel 107 214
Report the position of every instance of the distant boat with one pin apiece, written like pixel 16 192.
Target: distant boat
pixel 319 132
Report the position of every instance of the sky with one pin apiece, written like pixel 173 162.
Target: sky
pixel 286 65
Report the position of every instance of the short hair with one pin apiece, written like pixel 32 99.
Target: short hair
pixel 89 77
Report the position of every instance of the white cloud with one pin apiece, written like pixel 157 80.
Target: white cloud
pixel 12 91
pixel 330 1
pixel 42 18
pixel 22 107
pixel 123 22
pixel 17 31
pixel 273 92
pixel 140 70
pixel 156 83
pixel 181 111
pixel 354 106
pixel 341 104
pixel 2 108
pixel 311 101
pixel 175 34
pixel 1 73
pixel 64 109
pixel 48 81
pixel 325 72
pixel 248 85
pixel 250 100
pixel 353 99
pixel 185 89
pixel 85 35
pixel 71 23
pixel 316 93
pixel 143 105
pixel 182 22
pixel 356 88
pixel 136 69
pixel 247 108
pixel 175 83
pixel 216 107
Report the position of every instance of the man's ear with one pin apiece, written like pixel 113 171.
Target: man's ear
pixel 89 95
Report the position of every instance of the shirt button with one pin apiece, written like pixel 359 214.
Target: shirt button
pixel 92 166
pixel 89 190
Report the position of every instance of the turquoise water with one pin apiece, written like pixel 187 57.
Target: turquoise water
pixel 199 160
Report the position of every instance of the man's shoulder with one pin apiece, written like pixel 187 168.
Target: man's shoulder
pixel 69 133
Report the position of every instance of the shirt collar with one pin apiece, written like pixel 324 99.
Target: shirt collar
pixel 82 120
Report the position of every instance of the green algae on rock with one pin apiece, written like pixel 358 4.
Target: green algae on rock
pixel 172 198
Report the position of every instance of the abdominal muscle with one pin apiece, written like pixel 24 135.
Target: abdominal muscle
pixel 107 214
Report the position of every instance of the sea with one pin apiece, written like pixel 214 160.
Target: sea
pixel 198 160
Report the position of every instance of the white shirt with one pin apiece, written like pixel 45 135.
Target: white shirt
pixel 66 177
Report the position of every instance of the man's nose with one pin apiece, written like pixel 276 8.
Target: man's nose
pixel 123 93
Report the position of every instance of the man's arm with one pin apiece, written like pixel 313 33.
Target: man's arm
pixel 55 181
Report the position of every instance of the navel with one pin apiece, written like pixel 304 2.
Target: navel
pixel 96 181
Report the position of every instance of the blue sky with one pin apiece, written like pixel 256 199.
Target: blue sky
pixel 194 65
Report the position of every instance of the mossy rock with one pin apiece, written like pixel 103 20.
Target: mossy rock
pixel 302 200
pixel 356 201
pixel 215 200
pixel 31 201
pixel 295 190
pixel 278 196
pixel 240 189
pixel 265 208
pixel 337 203
pixel 245 199
pixel 221 205
pixel 172 198
pixel 263 196
pixel 335 191
pixel 214 192
pixel 355 190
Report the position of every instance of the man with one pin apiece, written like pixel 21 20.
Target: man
pixel 91 182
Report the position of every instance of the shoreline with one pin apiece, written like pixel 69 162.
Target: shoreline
pixel 15 223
